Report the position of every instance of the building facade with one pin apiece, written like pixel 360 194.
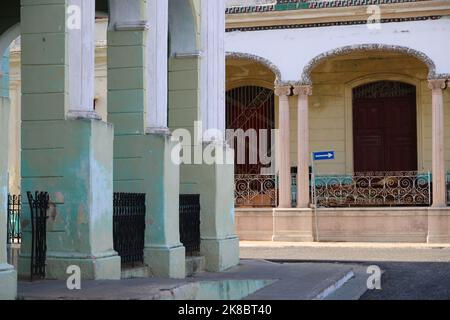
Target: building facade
pixel 366 84
pixel 96 124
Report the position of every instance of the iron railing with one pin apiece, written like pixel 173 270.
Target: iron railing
pixel 129 227
pixel 14 230
pixel 190 223
pixel 373 189
pixel 39 205
pixel 255 190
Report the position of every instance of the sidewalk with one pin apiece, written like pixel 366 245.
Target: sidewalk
pixel 253 280
pixel 345 252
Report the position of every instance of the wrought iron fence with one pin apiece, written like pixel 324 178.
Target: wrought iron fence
pixel 255 190
pixel 14 230
pixel 39 205
pixel 129 227
pixel 190 223
pixel 378 189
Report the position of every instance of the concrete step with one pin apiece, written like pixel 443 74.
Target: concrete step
pixel 354 289
pixel 135 273
pixel 194 265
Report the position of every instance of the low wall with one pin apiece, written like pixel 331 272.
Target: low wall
pixel 254 224
pixel 412 225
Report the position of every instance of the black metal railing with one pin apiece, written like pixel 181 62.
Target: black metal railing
pixel 190 223
pixel 255 190
pixel 373 189
pixel 39 205
pixel 14 230
pixel 129 227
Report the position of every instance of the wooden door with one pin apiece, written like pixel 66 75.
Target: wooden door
pixel 385 127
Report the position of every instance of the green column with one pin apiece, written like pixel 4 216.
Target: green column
pixel 214 183
pixel 142 161
pixel 71 159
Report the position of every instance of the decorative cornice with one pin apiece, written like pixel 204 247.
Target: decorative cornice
pixel 263 61
pixel 83 115
pixel 328 24
pixel 284 5
pixel 306 76
pixel 187 55
pixel 132 26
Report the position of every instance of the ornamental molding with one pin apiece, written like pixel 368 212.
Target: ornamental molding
pixel 303 90
pixel 437 84
pixel 141 25
pixel 306 75
pixel 258 59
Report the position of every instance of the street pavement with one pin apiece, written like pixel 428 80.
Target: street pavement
pixel 410 271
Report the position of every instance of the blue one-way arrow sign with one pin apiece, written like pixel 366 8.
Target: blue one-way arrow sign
pixel 323 155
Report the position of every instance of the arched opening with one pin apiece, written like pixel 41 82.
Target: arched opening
pixel 251 109
pixel 385 127
pixel 251 120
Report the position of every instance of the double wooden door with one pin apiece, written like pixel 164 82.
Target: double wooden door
pixel 385 127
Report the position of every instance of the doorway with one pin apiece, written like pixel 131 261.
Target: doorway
pixel 385 127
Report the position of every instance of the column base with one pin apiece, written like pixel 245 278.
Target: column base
pixel 166 262
pixel 220 254
pixel 438 225
pixel 8 282
pixel 106 267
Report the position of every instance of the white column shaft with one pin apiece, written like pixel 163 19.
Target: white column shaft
pixel 439 175
pixel 212 82
pixel 81 52
pixel 157 67
pixel 284 148
pixel 303 186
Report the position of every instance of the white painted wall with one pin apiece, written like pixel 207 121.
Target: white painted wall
pixel 291 49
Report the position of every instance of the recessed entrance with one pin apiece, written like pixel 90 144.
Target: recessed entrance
pixel 385 127
pixel 251 108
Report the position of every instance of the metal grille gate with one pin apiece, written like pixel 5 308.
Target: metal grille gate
pixel 14 230
pixel 129 227
pixel 190 223
pixel 38 208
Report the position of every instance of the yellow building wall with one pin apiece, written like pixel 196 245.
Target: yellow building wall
pixel 331 126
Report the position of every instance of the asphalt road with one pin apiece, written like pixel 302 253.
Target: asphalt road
pixel 412 281
pixel 410 272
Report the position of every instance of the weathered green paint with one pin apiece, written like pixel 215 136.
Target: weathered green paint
pixel 8 276
pixel 71 159
pixel 142 162
pixel 80 224
pixel 184 93
pixel 4 74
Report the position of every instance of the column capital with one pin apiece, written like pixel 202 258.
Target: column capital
pixel 282 90
pixel 437 84
pixel 303 90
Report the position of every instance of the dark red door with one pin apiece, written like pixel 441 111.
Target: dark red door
pixel 385 127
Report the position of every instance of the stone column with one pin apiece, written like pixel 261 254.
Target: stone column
pixel 81 59
pixel 65 150
pixel 303 187
pixel 8 276
pixel 219 243
pixel 439 176
pixel 284 147
pixel 137 106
